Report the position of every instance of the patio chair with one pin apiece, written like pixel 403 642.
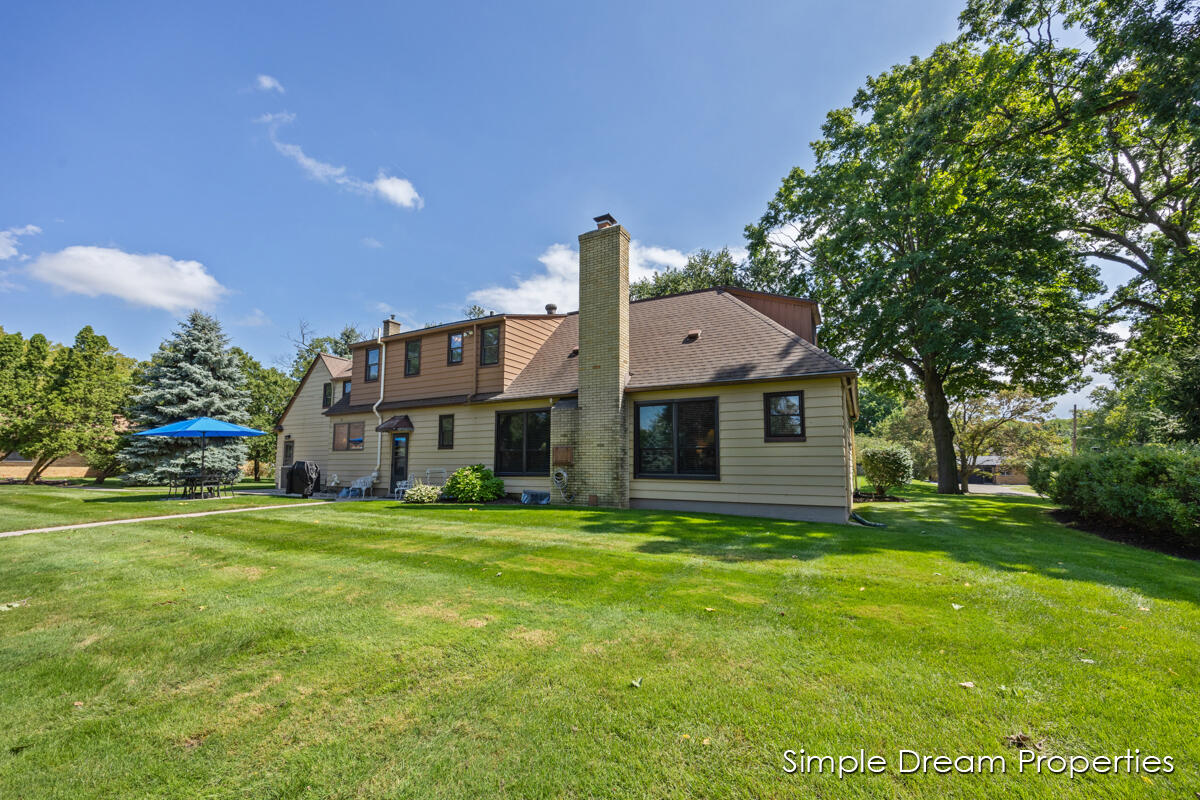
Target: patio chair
pixel 401 487
pixel 361 485
pixel 435 476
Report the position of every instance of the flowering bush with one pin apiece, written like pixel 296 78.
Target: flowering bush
pixel 422 493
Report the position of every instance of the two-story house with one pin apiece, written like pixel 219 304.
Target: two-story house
pixel 716 400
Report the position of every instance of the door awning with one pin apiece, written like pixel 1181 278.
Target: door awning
pixel 400 424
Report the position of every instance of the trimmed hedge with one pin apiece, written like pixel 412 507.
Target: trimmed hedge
pixel 1154 490
pixel 474 484
pixel 887 466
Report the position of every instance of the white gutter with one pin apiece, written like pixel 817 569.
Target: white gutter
pixel 375 408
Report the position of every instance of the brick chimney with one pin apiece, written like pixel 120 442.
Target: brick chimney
pixel 603 365
pixel 390 326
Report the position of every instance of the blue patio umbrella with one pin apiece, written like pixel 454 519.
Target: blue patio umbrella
pixel 202 428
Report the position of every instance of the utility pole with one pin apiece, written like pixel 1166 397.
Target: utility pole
pixel 1074 426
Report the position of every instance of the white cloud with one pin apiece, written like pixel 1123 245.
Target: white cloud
pixel 255 319
pixel 371 242
pixel 381 307
pixel 558 283
pixel 266 83
pixel 153 280
pixel 397 191
pixel 8 240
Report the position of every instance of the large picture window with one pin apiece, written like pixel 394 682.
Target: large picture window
pixel 676 439
pixel 783 416
pixel 454 348
pixel 348 436
pixel 372 371
pixel 523 442
pixel 489 347
pixel 412 357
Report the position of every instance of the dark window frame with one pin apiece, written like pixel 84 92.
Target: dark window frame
pixel 408 343
pixel 367 364
pixel 362 437
pixel 483 349
pixel 462 348
pixel 345 388
pixel 677 476
pixel 786 437
pixel 327 394
pixel 289 452
pixel 445 442
pixel 524 412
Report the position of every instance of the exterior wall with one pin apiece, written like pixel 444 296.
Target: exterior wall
pixel 474 442
pixel 305 423
pixel 803 480
pixel 796 317
pixel 72 466
pixel 604 442
pixel 521 338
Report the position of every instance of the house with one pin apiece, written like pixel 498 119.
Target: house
pixel 998 470
pixel 716 400
pixel 15 466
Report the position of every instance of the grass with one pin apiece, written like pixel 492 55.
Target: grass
pixel 364 650
pixel 24 507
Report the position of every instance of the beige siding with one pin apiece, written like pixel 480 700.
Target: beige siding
pixel 304 422
pixel 811 473
pixel 522 339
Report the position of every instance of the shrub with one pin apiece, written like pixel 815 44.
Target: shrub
pixel 1153 490
pixel 474 484
pixel 887 466
pixel 422 493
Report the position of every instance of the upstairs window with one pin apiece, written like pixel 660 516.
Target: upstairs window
pixel 345 388
pixel 489 346
pixel 348 436
pixel 372 372
pixel 783 417
pixel 446 432
pixel 412 357
pixel 454 348
pixel 676 439
pixel 523 442
pixel 327 395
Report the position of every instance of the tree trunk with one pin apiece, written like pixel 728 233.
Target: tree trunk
pixel 964 476
pixel 36 471
pixel 943 433
pixel 256 464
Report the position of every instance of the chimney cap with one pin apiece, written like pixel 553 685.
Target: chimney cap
pixel 391 316
pixel 551 308
pixel 604 221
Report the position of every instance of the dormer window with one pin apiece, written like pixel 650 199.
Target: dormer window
pixel 372 370
pixel 489 348
pixel 454 348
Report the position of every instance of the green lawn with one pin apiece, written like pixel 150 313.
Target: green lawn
pixel 364 650
pixel 23 507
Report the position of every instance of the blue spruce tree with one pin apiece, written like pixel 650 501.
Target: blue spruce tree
pixel 193 374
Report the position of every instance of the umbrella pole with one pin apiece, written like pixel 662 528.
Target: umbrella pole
pixel 203 445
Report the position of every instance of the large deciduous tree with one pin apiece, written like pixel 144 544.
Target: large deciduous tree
pixel 309 345
pixel 981 423
pixel 705 269
pixel 194 373
pixel 935 253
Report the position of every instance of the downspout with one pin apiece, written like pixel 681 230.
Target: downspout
pixel 375 408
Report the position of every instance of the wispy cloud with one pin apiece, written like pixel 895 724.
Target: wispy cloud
pixel 558 282
pixel 255 319
pixel 8 240
pixel 266 83
pixel 152 280
pixel 371 242
pixel 397 191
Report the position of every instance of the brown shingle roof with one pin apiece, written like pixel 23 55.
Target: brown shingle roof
pixel 737 343
pixel 338 367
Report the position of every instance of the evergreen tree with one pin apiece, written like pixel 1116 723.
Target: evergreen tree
pixel 194 374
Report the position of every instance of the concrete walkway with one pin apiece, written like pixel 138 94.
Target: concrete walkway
pixel 5 534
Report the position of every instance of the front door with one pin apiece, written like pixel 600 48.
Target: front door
pixel 399 458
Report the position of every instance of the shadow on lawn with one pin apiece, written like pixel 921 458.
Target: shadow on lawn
pixel 1007 533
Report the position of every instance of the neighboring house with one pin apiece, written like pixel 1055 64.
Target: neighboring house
pixel 69 466
pixel 717 400
pixel 995 469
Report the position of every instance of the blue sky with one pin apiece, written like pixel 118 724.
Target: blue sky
pixel 338 162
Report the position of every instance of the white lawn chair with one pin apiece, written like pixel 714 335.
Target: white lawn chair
pixel 403 486
pixel 363 484
pixel 435 476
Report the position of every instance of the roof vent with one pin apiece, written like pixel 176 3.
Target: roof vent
pixel 692 335
pixel 573 353
pixel 604 221
pixel 551 308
